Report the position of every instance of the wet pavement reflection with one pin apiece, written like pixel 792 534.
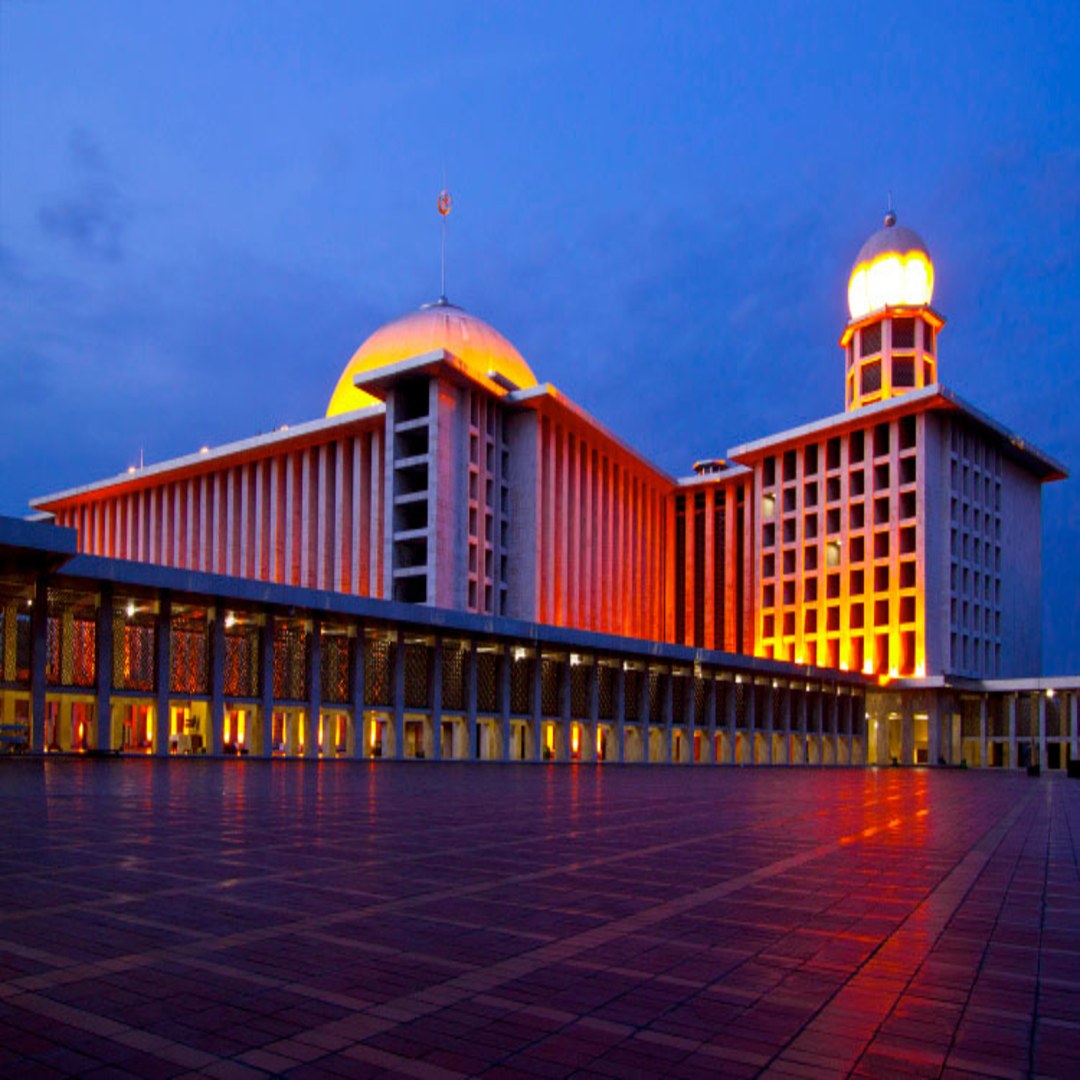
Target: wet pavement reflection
pixel 306 919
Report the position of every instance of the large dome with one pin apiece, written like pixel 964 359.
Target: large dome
pixel 435 326
pixel 892 269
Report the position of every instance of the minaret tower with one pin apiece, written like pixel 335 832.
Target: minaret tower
pixel 890 344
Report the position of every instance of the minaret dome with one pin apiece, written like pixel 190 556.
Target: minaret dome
pixel 890 342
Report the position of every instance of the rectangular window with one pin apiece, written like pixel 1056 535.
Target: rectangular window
pixel 903 333
pixel 870 377
pixel 903 371
pixel 870 340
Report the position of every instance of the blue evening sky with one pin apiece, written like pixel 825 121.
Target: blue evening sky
pixel 206 207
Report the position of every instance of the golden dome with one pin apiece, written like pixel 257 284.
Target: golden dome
pixel 442 325
pixel 892 269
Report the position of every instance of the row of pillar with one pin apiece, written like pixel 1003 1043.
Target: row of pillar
pixel 801 714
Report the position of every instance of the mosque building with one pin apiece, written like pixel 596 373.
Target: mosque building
pixel 458 561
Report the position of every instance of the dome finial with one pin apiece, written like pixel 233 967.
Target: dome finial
pixel 443 205
pixel 890 214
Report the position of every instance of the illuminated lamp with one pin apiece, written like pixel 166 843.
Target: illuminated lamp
pixel 241 727
pixel 599 742
pixel 149 728
pixel 82 730
pixel 374 733
pixel 130 609
pixel 1049 691
pixel 893 269
pixel 868 667
pixel 575 738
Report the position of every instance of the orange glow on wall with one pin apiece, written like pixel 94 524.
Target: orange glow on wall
pixel 241 727
pixel 575 739
pixel 149 728
pixel 891 279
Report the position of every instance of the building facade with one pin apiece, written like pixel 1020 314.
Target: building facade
pixel 887 555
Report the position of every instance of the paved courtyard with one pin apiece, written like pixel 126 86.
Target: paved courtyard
pixel 239 919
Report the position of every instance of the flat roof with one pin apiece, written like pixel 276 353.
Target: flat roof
pixel 928 398
pixel 268 441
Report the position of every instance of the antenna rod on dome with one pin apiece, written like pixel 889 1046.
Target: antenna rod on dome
pixel 444 204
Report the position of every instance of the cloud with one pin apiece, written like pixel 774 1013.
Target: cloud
pixel 93 217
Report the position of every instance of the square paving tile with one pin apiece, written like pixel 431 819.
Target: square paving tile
pixel 238 919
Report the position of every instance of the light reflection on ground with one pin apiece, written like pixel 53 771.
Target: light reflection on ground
pixel 362 919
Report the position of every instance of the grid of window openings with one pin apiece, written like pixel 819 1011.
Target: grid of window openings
pixel 488 508
pixel 838 551
pixel 975 554
pixel 889 357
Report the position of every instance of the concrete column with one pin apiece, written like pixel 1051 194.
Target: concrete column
pixel 314 690
pixel 266 686
pixel 1074 725
pixel 435 673
pixel 39 629
pixel 536 699
pixel 162 674
pixel 1010 705
pixel 767 724
pixel 619 691
pixel 834 725
pixel 907 735
pixel 470 700
pixel 503 695
pixel 731 719
pixel 1041 711
pixel 103 664
pixel 984 757
pixel 667 716
pixel 594 712
pixel 843 705
pixel 798 706
pixel 710 718
pixel 933 730
pixel 819 724
pixel 751 722
pixel 217 682
pixel 643 712
pixel 397 677
pixel 562 735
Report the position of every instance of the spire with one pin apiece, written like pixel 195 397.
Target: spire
pixel 444 204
